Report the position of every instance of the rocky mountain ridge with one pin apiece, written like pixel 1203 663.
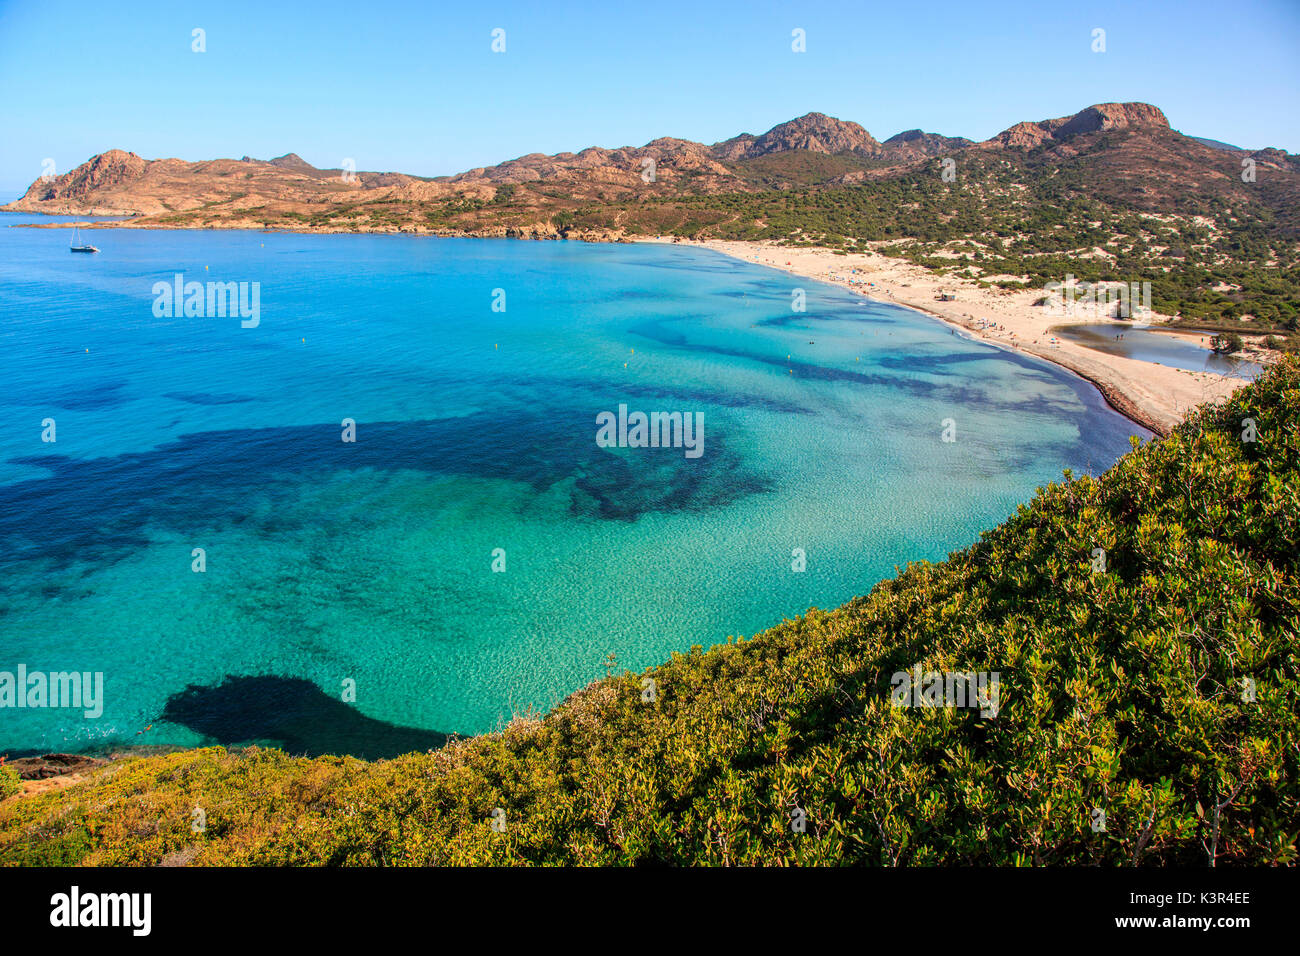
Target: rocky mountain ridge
pixel 117 182
pixel 814 176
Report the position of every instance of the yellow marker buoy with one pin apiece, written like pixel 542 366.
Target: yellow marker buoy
pixel 496 345
pixel 205 268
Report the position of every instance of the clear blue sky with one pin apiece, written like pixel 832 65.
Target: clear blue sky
pixel 415 87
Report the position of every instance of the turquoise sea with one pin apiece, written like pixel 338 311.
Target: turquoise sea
pixel 332 562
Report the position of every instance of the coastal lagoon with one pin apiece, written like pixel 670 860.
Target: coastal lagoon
pixel 1147 345
pixel 475 552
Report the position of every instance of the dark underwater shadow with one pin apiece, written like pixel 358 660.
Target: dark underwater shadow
pixel 294 715
pixel 99 510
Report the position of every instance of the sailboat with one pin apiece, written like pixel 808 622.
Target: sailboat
pixel 78 245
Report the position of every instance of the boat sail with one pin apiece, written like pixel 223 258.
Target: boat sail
pixel 78 245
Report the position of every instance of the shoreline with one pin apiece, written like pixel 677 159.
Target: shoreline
pixel 534 232
pixel 1154 396
pixel 1157 397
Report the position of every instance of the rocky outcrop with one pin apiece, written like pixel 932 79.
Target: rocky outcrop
pixel 915 144
pixel 54 765
pixel 1112 116
pixel 1273 158
pixel 596 168
pixel 112 169
pixel 1104 116
pixel 815 132
pixel 293 161
pixel 1023 135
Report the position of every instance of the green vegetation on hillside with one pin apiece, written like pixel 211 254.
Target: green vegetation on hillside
pixel 1160 689
pixel 10 783
pixel 1218 262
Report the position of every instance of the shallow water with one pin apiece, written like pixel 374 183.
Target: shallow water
pixel 1161 347
pixel 371 562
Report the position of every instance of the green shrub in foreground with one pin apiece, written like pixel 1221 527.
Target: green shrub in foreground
pixel 10 782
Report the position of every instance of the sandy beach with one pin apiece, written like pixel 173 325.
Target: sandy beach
pixel 1153 395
